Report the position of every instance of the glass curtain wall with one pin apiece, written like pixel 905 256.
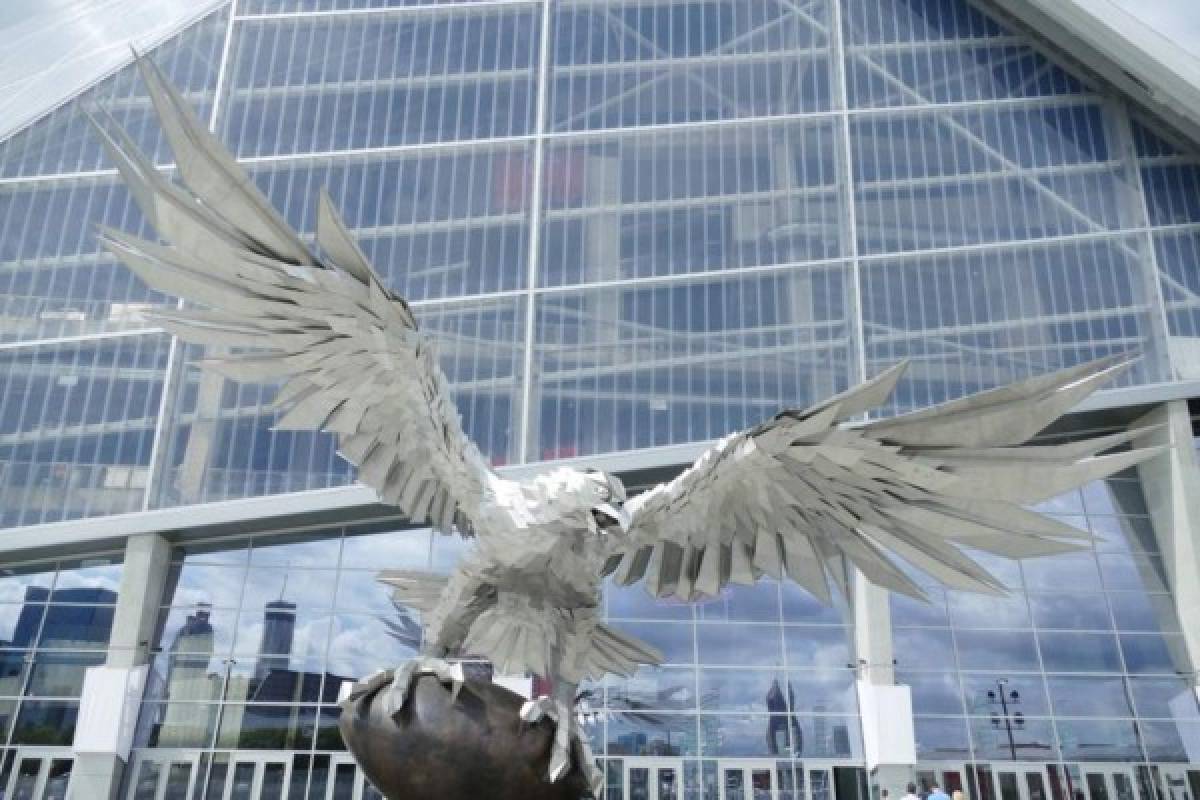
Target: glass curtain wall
pixel 628 224
pixel 1082 661
pixel 257 637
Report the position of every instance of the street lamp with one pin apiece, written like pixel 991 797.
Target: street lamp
pixel 1005 698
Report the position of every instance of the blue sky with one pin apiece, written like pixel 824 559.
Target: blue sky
pixel 51 47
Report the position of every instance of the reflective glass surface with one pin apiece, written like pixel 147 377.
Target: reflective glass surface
pixel 1083 660
pixel 653 222
pixel 55 623
pixel 256 639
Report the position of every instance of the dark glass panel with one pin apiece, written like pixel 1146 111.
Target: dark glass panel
pixel 1099 740
pixel 942 738
pixel 46 722
pixel 1153 653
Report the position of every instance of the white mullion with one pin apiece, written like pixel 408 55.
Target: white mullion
pixel 153 467
pixel 535 222
pixel 836 35
pixel 1133 174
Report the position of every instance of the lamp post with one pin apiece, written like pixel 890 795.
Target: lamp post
pixel 1004 697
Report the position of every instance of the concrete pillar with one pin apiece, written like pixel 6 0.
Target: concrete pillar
pixel 112 694
pixel 885 709
pixel 1171 486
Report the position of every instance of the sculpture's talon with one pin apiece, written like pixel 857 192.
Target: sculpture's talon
pixel 560 764
pixel 404 675
pixel 536 710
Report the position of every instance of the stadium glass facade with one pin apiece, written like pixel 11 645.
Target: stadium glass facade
pixel 630 224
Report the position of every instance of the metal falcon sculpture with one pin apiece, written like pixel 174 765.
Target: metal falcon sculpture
pixel 801 495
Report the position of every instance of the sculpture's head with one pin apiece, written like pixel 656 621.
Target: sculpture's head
pixel 608 510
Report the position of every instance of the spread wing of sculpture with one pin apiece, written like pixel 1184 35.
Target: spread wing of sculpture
pixel 805 495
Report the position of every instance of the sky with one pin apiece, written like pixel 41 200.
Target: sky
pixel 52 47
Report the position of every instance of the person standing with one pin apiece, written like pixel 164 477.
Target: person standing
pixel 937 794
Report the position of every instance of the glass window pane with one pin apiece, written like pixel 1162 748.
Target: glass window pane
pixel 942 738
pixel 192 584
pixel 1079 652
pixel 81 627
pixel 933 692
pixel 178 724
pixel 995 650
pixel 260 727
pixel 907 611
pixel 60 674
pixel 734 645
pixel 1138 611
pixel 1010 693
pixel 202 630
pixel 691 199
pixel 1152 653
pixel 634 602
pixel 1063 611
pixel 1089 697
pixel 1099 740
pixel 970 610
pixel 46 722
pixel 1012 739
pixel 399 549
pixel 757 603
pixel 664 735
pixel 662 689
pixel 923 648
pixel 100 572
pixel 1164 697
pixel 825 647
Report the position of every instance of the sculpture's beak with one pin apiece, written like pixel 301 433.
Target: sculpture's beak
pixel 617 514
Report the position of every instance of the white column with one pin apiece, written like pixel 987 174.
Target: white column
pixel 885 709
pixel 1171 485
pixel 112 694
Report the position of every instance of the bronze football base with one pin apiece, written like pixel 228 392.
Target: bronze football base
pixel 474 747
